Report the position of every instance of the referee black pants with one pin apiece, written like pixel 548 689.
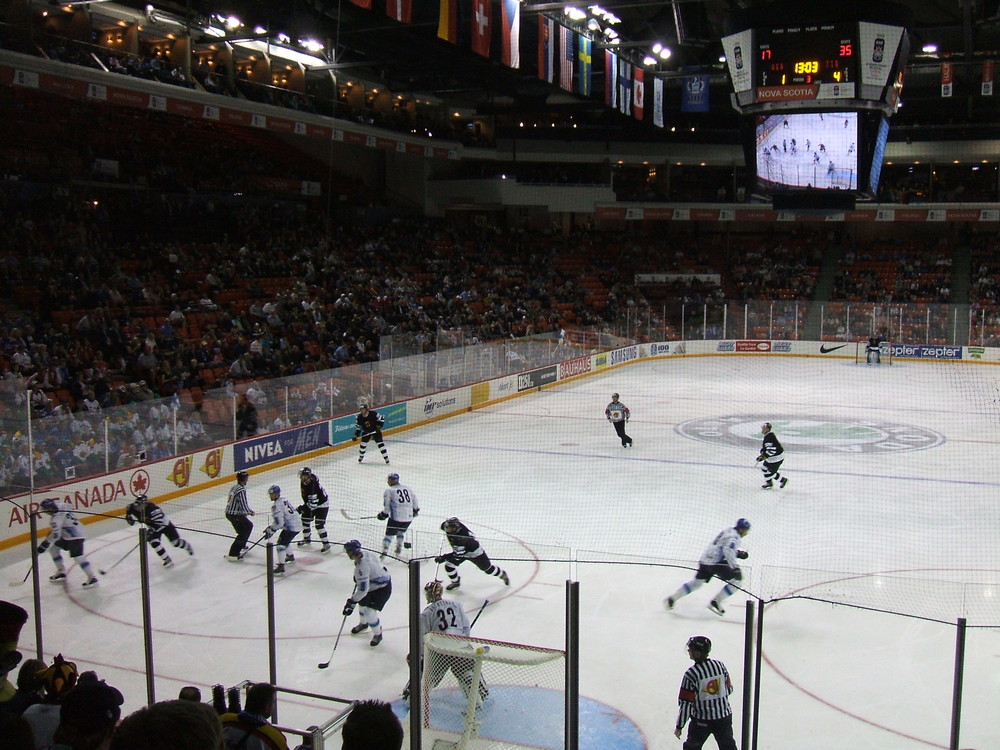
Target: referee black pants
pixel 243 527
pixel 699 730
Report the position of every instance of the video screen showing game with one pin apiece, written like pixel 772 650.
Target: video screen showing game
pixel 807 150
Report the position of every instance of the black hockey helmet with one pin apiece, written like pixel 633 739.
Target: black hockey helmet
pixel 48 505
pixel 700 643
pixel 452 522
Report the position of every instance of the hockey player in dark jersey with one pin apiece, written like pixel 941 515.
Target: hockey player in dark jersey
pixel 770 458
pixel 464 546
pixel 314 509
pixel 369 425
pixel 146 512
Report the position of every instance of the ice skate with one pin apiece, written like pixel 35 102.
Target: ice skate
pixel 783 482
pixel 767 485
pixel 399 548
pixel 505 578
pixel 669 602
pixel 453 585
pixel 714 606
pixel 359 628
pixel 91 583
pixel 56 577
pixel 234 558
pixel 279 570
pixel 168 563
pixel 325 548
pixel 289 557
pixel 304 542
pixel 376 639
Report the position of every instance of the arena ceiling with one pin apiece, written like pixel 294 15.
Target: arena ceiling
pixel 409 58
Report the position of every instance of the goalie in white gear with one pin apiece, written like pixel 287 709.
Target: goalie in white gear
pixel 445 616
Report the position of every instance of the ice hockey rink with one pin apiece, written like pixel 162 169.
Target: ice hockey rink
pixel 893 503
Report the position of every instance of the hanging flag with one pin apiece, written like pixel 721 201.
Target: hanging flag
pixel 482 26
pixel 448 21
pixel 546 48
pixel 624 87
pixel 584 56
pixel 947 77
pixel 511 12
pixel 658 102
pixel 610 79
pixel 639 92
pixel 694 93
pixel 567 43
pixel 366 4
pixel 988 71
pixel 401 10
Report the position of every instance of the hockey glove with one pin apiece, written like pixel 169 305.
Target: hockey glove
pixel 301 509
pixel 349 606
pixel 382 516
pixel 43 546
pixel 742 554
pixel 416 512
pixel 355 436
pixel 737 574
pixel 440 559
pixel 268 532
pixel 130 521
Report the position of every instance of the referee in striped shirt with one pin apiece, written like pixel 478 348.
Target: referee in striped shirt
pixel 704 699
pixel 238 512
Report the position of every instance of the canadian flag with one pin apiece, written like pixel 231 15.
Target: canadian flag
pixel 638 93
pixel 482 26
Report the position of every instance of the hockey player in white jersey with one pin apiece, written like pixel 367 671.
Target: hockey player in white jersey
pixel 399 508
pixel 284 518
pixel 65 533
pixel 445 616
pixel 718 561
pixel 372 589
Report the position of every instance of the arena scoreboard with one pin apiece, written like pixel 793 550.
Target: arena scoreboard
pixel 798 56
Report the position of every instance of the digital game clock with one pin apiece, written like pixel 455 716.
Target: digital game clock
pixel 806 54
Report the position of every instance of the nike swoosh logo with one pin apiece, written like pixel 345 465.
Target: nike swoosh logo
pixel 828 349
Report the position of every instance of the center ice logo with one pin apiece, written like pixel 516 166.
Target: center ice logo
pixel 813 434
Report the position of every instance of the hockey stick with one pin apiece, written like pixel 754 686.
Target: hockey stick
pixel 121 559
pixel 23 580
pixel 355 518
pixel 476 618
pixel 255 544
pixel 325 664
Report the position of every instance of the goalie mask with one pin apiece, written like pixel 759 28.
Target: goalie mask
pixel 433 591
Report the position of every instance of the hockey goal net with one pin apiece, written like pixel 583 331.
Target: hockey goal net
pixel 480 694
pixel 884 354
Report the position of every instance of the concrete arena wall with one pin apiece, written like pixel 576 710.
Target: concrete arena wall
pixel 182 475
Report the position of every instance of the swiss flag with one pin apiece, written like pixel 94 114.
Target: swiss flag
pixel 482 26
pixel 638 92
pixel 401 10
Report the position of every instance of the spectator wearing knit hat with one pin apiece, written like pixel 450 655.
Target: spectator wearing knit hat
pixel 58 680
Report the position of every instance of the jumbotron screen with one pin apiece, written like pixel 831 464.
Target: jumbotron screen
pixel 807 150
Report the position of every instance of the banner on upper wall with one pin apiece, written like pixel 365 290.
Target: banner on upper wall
pixel 160 480
pixel 275 446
